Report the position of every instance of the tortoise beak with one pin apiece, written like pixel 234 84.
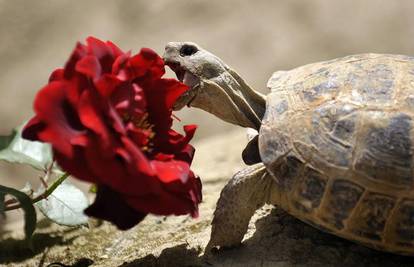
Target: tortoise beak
pixel 177 69
pixel 188 79
pixel 186 98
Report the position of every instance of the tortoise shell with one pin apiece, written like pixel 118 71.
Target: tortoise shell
pixel 337 138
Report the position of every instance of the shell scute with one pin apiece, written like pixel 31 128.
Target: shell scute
pixel 387 152
pixel 371 216
pixel 310 190
pixel 344 196
pixel 372 83
pixel 346 126
pixel 404 228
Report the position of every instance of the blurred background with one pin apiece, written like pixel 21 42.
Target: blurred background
pixel 255 39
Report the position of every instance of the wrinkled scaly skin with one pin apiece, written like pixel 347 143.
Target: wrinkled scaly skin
pixel 335 141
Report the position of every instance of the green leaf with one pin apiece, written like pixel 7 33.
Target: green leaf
pixel 6 140
pixel 15 149
pixel 93 189
pixel 28 208
pixel 65 205
pixel 2 204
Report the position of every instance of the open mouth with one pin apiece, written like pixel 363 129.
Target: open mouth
pixel 188 79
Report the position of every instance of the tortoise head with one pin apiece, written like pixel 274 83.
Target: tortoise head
pixel 214 86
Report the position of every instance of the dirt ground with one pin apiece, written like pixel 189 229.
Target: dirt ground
pixel 255 38
pixel 273 238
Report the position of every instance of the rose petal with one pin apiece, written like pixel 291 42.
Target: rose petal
pixel 147 62
pixel 173 170
pixel 76 165
pixel 91 116
pixel 181 200
pixel 173 90
pixel 98 48
pixel 107 84
pixel 56 75
pixel 78 53
pixel 108 118
pixel 115 49
pixel 109 205
pixel 89 66
pixel 32 129
pixel 141 162
pixel 118 67
pixel 60 119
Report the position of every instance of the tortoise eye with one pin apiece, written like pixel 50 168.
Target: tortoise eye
pixel 188 50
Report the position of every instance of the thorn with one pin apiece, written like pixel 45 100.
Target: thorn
pixel 44 183
pixel 175 117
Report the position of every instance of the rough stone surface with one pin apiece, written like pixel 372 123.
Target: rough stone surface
pixel 273 239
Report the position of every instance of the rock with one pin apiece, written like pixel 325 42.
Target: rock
pixel 273 239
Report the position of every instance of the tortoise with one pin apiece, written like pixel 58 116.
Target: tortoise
pixel 333 144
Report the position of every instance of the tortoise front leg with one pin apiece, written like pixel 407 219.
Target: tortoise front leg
pixel 248 190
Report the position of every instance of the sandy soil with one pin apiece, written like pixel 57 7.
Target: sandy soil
pixel 273 238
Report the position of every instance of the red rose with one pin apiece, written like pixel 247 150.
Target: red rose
pixel 107 115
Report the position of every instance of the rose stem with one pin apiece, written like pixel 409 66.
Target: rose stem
pixel 48 191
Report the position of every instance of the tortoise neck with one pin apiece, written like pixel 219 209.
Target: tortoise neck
pixel 227 96
pixel 249 102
